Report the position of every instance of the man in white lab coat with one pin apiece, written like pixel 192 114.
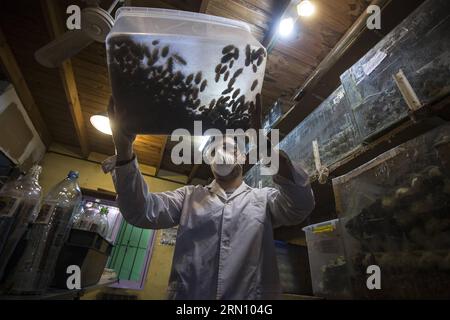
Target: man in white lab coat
pixel 224 247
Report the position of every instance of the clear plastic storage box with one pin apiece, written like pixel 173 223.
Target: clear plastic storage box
pixel 169 68
pixel 395 211
pixel 333 127
pixel 274 115
pixel 328 265
pixel 420 47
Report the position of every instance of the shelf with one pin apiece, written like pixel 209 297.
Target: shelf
pixel 61 294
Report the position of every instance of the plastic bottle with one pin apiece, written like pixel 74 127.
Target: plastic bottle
pixel 46 238
pixel 87 216
pixel 100 223
pixel 23 198
pixel 77 218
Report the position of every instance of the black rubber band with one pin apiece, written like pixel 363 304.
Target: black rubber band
pixel 124 162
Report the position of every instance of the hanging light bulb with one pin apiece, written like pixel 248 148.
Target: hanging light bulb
pixel 306 8
pixel 286 26
pixel 101 123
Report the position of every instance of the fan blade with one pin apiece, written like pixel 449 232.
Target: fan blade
pixel 113 6
pixel 62 48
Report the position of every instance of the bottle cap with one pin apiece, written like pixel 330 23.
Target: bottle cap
pixel 73 174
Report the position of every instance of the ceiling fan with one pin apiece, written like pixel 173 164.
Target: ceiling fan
pixel 95 26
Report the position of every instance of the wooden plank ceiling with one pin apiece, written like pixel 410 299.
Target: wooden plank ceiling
pixel 289 63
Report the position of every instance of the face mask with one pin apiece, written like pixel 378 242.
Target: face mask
pixel 223 163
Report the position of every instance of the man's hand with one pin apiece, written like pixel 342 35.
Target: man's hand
pixel 122 141
pixel 285 169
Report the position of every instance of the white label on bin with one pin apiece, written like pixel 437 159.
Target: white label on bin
pixel 8 206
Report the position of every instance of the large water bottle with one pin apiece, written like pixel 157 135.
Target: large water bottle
pixel 100 223
pixel 10 200
pixel 46 238
pixel 86 217
pixel 21 201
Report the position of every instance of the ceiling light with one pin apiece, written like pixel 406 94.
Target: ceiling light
pixel 306 8
pixel 286 26
pixel 101 123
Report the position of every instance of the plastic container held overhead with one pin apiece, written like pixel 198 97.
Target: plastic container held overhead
pixel 170 68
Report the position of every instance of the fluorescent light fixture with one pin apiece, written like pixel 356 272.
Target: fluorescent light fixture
pixel 306 8
pixel 101 123
pixel 285 27
pixel 203 141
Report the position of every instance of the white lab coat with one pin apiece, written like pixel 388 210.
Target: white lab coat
pixel 224 247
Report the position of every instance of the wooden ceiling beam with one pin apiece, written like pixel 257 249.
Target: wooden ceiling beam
pixel 54 23
pixel 272 35
pixel 203 6
pixel 161 155
pixel 15 75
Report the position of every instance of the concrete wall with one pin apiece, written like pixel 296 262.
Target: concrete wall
pixel 55 168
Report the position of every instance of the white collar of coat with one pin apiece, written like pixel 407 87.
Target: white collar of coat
pixel 215 188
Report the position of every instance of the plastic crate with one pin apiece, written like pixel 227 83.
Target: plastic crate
pixel 327 260
pixel 85 249
pixel 420 47
pixel 395 214
pixel 170 68
pixel 275 114
pixel 332 125
pixel 293 268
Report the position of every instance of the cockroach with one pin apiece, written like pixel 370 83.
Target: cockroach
pixel 247 52
pixel 180 59
pixel 236 54
pixel 236 93
pixel 212 103
pixel 165 51
pixel 260 60
pixel 238 72
pixel 224 68
pixel 227 57
pixel 227 49
pixel 231 82
pixel 189 79
pixel 254 84
pixel 170 64
pixel 155 53
pixel 198 77
pixel 228 90
pixel 203 85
